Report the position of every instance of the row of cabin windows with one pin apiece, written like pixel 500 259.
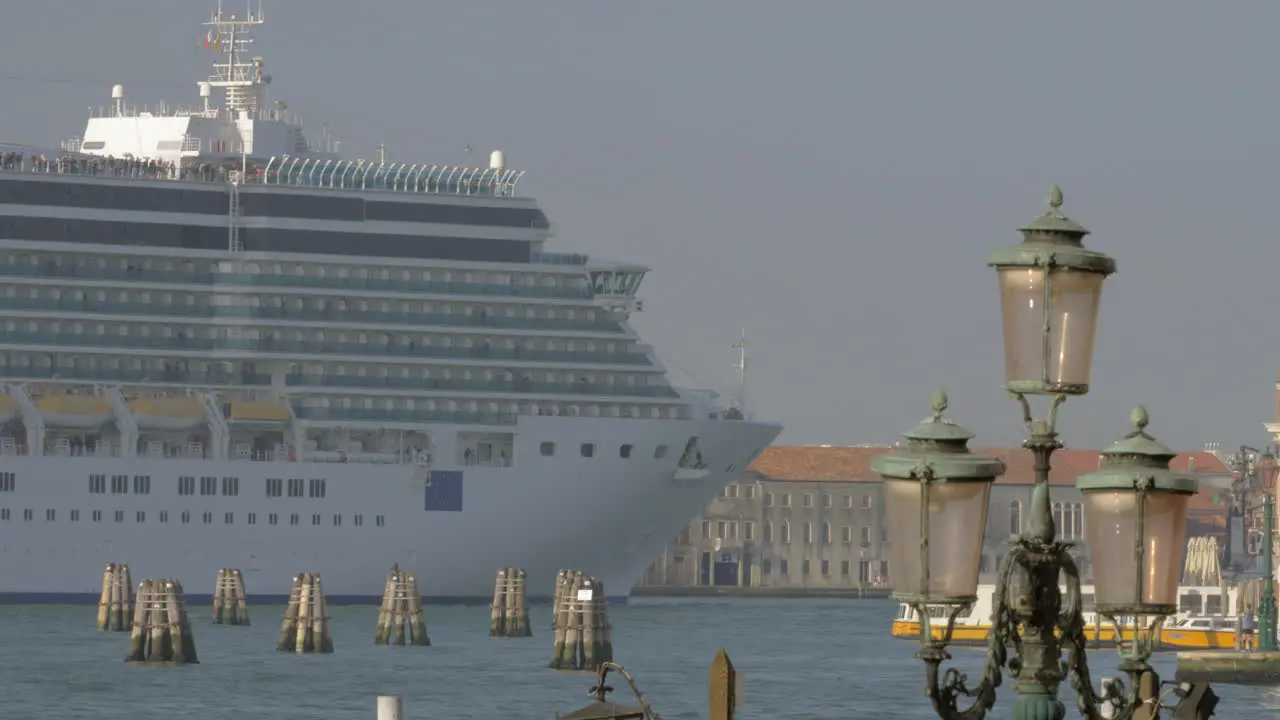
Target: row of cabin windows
pixel 51 515
pixel 728 530
pixel 208 486
pixel 588 450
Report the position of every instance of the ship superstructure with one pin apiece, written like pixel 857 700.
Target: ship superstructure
pixel 214 327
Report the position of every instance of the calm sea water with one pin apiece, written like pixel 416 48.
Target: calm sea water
pixel 800 659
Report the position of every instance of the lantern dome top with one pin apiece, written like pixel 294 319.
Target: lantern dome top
pixel 1136 458
pixel 1053 240
pixel 940 447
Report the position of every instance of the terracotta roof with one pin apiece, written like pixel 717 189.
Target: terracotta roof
pixel 821 463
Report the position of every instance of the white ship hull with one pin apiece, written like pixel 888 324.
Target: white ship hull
pixel 606 515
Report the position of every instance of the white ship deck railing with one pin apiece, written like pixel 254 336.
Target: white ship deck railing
pixel 356 317
pixel 56 271
pixel 350 175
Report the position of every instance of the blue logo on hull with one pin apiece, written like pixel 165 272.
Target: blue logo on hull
pixel 444 491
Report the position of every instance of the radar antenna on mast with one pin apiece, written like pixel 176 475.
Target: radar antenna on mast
pixel 236 72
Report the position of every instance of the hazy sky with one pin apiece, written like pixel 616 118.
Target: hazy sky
pixel 829 175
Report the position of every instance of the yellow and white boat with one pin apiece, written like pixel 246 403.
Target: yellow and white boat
pixel 1205 621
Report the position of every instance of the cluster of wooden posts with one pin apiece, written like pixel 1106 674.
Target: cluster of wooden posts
pixel 583 639
pixel 400 620
pixel 161 630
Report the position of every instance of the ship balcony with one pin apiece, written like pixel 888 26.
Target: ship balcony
pixel 356 318
pixel 505 387
pixel 475 354
pixel 256 412
pixel 416 288
pixel 117 375
pixel 406 417
pixel 75 411
pixel 8 408
pixel 167 414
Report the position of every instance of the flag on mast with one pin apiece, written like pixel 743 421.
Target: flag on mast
pixel 208 38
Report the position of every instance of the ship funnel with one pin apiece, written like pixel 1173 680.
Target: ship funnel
pixel 497 160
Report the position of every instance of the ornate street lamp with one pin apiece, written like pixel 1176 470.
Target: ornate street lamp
pixel 1268 468
pixel 1050 289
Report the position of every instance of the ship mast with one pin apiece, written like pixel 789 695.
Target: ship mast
pixel 235 71
pixel 741 367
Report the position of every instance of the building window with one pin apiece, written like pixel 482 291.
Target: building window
pixel 1057 519
pixel 864 571
pixel 722 530
pixel 782 567
pixel 846 534
pixel 826 500
pixel 804 567
pixel 8 482
pixel 865 501
pixel 826 533
pixel 208 486
pixel 547 449
pixel 141 484
pixel 1077 520
pixel 253 519
pixel 768 499
pixel 824 567
pixel 624 452
pixel 1015 517
pixel 866 536
pixel 588 450
pixel 766 566
pixel 748 491
pixel 230 486
pixel 706 529
pixel 848 501
pixel 186 486
pixel 98 484
pixel 731 491
pixel 142 516
pixel 295 487
pixel 808 533
pixel 275 487
pixel 75 516
pixel 317 488
pixel 844 568
pixel 749 530
pixel 379 520
pixel 786 499
pixel 808 500
pixel 768 532
pixel 786 531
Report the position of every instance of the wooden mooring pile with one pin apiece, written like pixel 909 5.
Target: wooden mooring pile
pixel 161 631
pixel 115 607
pixel 509 615
pixel 582 633
pixel 400 620
pixel 306 619
pixel 230 605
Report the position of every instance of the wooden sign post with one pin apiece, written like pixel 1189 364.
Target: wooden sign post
pixel 724 687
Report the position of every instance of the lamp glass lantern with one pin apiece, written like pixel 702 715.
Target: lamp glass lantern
pixel 1050 294
pixel 1268 468
pixel 1134 501
pixel 936 498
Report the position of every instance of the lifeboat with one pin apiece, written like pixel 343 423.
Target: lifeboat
pixel 257 411
pixel 8 409
pixel 167 413
pixel 75 411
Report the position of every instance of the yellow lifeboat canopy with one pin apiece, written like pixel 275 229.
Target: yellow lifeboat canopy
pixel 167 413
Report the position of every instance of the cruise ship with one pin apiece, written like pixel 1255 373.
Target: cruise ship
pixel 224 345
